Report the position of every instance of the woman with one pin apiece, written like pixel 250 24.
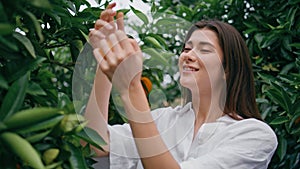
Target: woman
pixel 218 127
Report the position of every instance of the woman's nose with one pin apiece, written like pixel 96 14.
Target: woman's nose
pixel 188 56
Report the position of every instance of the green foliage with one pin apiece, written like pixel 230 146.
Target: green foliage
pixel 40 41
pixel 39 44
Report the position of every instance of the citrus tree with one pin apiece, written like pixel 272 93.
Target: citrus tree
pixel 39 44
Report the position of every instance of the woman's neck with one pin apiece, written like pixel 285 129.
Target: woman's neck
pixel 207 109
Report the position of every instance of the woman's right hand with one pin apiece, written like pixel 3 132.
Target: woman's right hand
pixel 106 25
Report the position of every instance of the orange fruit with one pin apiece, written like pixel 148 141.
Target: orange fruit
pixel 147 84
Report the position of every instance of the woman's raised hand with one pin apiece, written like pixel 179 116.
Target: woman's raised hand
pixel 120 59
pixel 106 25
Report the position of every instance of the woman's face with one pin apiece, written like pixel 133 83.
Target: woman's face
pixel 200 63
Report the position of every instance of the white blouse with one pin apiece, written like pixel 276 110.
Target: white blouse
pixel 224 144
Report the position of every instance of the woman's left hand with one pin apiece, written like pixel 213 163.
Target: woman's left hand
pixel 120 60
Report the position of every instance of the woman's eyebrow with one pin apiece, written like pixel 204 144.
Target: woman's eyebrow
pixel 201 43
pixel 204 43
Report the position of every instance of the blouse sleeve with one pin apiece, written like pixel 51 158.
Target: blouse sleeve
pixel 248 144
pixel 123 151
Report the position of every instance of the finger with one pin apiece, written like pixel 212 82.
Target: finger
pixel 115 44
pixel 123 41
pixel 111 13
pixel 108 53
pixel 94 37
pixel 96 33
pixel 98 55
pixel 104 47
pixel 104 67
pixel 108 15
pixel 120 21
pixel 99 35
pixel 110 6
pixel 135 45
pixel 105 27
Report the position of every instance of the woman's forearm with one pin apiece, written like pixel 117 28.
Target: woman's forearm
pixel 152 150
pixel 97 108
pixel 102 87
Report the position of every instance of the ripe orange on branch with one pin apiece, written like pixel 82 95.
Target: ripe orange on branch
pixel 147 84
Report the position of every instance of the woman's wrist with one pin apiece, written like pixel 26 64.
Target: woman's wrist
pixel 136 103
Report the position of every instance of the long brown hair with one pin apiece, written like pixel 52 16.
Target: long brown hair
pixel 240 98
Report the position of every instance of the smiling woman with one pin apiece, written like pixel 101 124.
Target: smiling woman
pixel 218 127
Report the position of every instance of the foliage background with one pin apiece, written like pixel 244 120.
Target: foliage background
pixel 40 41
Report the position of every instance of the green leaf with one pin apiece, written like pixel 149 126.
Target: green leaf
pixel 125 11
pixel 291 16
pixel 286 42
pixel 6 29
pixel 281 97
pixel 287 68
pixel 27 67
pixel 269 40
pixel 151 40
pixel 63 100
pixel 26 43
pixel 55 17
pixel 295 117
pixel 296 131
pixel 261 100
pixel 7 44
pixel 40 3
pixel 167 21
pixel 279 120
pixel 266 77
pixel 141 15
pixel 44 125
pixel 2 126
pixel 92 137
pixel 153 7
pixel 3 15
pixel 156 58
pixel 37 137
pixel 36 25
pixel 3 82
pixel 28 117
pixel 54 165
pixel 296 45
pixel 296 107
pixel 282 147
pixel 160 39
pixel 76 159
pixel 22 149
pixel 259 38
pixel 35 90
pixel 14 98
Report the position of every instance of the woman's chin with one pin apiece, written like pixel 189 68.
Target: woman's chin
pixel 187 83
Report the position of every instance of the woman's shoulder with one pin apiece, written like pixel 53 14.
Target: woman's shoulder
pixel 252 128
pixel 254 124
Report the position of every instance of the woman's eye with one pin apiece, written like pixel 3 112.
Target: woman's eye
pixel 205 51
pixel 186 49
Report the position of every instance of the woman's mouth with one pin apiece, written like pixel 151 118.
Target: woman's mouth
pixel 189 69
